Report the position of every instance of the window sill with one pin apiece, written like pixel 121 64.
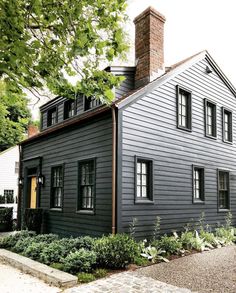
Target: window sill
pixel 85 212
pixel 199 201
pixel 223 210
pixel 144 201
pixel 210 136
pixel 56 209
pixel 184 128
pixel 228 142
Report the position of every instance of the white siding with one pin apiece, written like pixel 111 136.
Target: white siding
pixel 8 177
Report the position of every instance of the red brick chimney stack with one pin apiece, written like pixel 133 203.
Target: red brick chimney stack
pixel 149 46
pixel 32 130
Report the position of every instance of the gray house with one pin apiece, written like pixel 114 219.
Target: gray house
pixel 165 147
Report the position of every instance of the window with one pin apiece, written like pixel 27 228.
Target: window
pixel 90 103
pixel 9 195
pixel 210 119
pixel 184 116
pixel 223 189
pixel 227 125
pixel 69 109
pixel 143 179
pixel 57 187
pixel 52 116
pixel 86 184
pixel 198 184
pixel 16 167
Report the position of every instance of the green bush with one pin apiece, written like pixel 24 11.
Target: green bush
pixel 141 261
pixel 80 261
pixel 187 239
pixel 22 244
pixel 34 250
pixel 46 238
pixel 225 234
pixel 170 244
pixel 208 237
pixel 10 241
pixel 53 252
pixel 57 266
pixel 115 251
pixel 100 273
pixel 85 277
pixel 85 242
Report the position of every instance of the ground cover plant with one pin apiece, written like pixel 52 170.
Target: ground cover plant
pixel 90 258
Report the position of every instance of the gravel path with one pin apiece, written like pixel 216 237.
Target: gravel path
pixel 13 281
pixel 211 271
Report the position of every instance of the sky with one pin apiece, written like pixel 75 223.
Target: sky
pixel 191 26
pixel 195 25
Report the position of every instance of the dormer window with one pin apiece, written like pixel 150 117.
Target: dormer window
pixel 69 109
pixel 52 116
pixel 90 103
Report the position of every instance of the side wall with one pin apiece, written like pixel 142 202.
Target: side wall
pixel 90 140
pixel 148 129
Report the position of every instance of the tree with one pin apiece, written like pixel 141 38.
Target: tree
pixel 45 41
pixel 14 115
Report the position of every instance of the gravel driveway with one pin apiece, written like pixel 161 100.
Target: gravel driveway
pixel 211 271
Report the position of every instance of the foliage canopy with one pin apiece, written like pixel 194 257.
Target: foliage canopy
pixel 43 42
pixel 14 115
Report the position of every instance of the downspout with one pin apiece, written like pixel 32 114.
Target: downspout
pixel 19 190
pixel 114 137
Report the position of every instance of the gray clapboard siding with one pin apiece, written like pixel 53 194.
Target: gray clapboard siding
pixel 68 146
pixel 148 129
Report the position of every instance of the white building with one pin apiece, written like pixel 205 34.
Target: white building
pixel 9 169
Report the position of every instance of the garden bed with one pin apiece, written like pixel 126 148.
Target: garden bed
pixel 90 258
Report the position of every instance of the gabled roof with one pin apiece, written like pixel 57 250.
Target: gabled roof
pixel 170 73
pixel 125 100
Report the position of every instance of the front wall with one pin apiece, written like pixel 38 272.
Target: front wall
pixel 149 130
pixel 91 140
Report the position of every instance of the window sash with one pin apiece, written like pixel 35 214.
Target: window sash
pixel 198 183
pixel 143 179
pixel 57 187
pixel 87 184
pixel 223 190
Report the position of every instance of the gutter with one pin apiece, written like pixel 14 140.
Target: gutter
pixel 19 190
pixel 114 159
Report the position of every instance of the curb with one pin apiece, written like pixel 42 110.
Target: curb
pixel 47 274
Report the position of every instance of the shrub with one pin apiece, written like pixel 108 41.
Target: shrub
pixel 100 273
pixel 6 219
pixel 187 239
pixel 115 251
pixel 227 235
pixel 80 261
pixel 22 244
pixel 85 277
pixel 11 240
pixel 53 252
pixel 33 219
pixel 33 250
pixel 85 242
pixel 57 266
pixel 46 238
pixel 208 237
pixel 141 261
pixel 170 244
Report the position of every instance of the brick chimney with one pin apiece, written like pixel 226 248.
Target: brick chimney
pixel 149 46
pixel 32 130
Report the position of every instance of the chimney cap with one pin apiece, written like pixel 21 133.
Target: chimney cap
pixel 153 12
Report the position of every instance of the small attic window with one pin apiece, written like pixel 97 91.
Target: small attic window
pixel 90 103
pixel 69 108
pixel 52 116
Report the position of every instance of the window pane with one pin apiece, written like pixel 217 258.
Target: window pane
pixel 87 184
pixel 144 191
pixel 138 191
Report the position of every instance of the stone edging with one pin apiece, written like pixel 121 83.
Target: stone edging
pixel 47 274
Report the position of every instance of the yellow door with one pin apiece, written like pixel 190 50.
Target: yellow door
pixel 33 197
